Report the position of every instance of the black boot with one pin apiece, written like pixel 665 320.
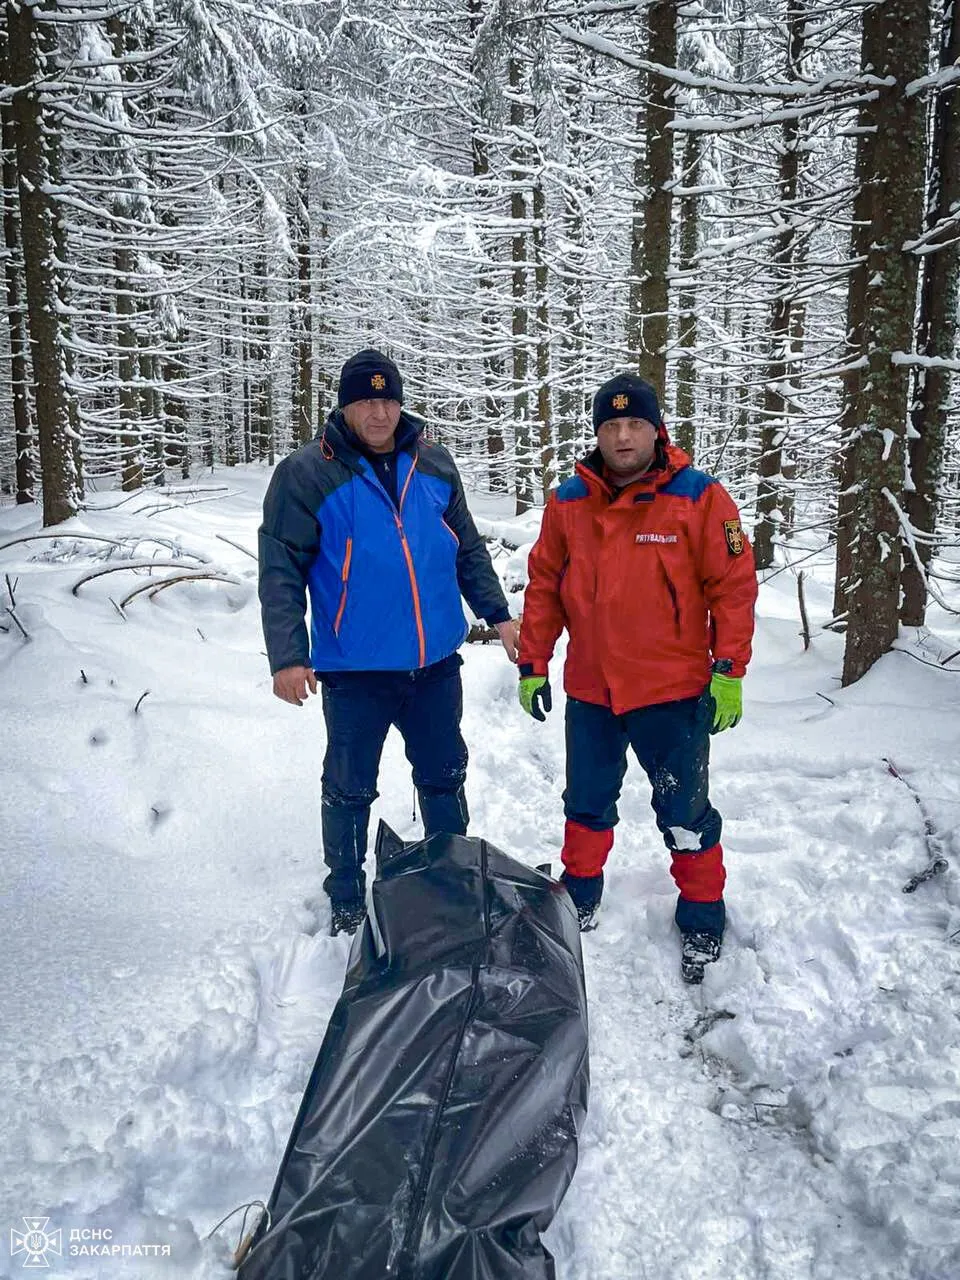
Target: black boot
pixel 699 950
pixel 586 892
pixel 347 916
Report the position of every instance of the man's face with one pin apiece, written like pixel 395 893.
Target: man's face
pixel 627 445
pixel 374 421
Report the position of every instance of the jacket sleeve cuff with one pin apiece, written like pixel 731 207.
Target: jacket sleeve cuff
pixel 535 668
pixel 738 670
pixel 281 664
pixel 498 615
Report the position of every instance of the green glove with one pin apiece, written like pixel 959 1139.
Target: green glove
pixel 535 696
pixel 727 694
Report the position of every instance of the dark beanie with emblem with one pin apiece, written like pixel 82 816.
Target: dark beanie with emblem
pixel 626 396
pixel 369 375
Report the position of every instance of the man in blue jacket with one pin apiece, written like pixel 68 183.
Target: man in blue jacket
pixel 370 521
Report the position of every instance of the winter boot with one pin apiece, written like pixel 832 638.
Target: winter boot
pixel 347 916
pixel 699 950
pixel 586 892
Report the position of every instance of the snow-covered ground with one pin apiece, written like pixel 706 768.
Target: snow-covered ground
pixel 166 974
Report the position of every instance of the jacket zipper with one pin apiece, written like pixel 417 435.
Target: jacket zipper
pixel 417 613
pixel 344 575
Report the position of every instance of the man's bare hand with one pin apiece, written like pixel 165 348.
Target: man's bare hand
pixel 293 683
pixel 509 637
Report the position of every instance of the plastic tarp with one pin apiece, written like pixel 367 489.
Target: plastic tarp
pixel 438 1132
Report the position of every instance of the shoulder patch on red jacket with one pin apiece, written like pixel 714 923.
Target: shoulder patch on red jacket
pixel 734 536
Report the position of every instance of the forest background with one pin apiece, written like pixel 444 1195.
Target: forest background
pixel 209 204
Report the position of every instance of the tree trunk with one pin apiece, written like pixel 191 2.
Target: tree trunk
pixel 651 326
pixel 853 356
pixel 323 301
pixel 776 405
pixel 303 373
pixel 937 326
pixel 519 215
pixel 684 430
pixel 571 376
pixel 262 400
pixel 16 317
pixel 896 46
pixel 131 442
pixel 540 284
pixel 38 217
pixel 491 361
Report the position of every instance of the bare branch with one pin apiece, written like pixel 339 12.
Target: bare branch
pixel 154 587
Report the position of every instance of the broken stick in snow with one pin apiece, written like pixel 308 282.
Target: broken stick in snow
pixel 937 863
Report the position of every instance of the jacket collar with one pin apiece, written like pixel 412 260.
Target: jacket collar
pixel 338 441
pixel 670 460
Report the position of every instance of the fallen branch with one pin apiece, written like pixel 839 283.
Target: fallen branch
pixel 63 537
pixel 11 590
pixel 120 543
pixel 230 543
pixel 167 492
pixel 479 634
pixel 937 863
pixel 124 565
pixel 172 506
pixel 145 694
pixel 154 587
pixel 925 662
pixel 20 625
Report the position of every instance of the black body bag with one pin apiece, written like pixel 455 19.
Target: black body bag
pixel 438 1132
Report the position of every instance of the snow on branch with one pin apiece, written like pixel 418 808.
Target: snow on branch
pixel 911 360
pixel 834 82
pixel 907 530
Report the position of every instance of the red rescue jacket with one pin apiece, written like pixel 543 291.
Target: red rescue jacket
pixel 652 583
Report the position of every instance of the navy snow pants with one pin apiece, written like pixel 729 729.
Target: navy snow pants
pixel 359 707
pixel 672 742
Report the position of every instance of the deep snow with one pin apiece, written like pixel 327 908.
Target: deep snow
pixel 167 977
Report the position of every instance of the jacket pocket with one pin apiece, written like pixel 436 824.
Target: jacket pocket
pixel 345 581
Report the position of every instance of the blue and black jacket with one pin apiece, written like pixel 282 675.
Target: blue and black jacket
pixel 384 580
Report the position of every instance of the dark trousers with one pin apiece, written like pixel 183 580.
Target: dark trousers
pixel 359 707
pixel 672 742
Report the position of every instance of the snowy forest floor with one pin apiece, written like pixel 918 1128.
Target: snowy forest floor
pixel 167 977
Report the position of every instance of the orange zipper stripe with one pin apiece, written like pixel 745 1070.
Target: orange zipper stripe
pixel 344 575
pixel 416 592
pixel 406 483
pixel 418 615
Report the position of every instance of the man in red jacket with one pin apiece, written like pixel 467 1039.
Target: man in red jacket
pixel 644 561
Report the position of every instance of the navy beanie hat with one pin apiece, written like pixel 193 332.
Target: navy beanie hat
pixel 369 375
pixel 626 396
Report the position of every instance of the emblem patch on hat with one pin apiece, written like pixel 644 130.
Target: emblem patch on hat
pixel 734 536
pixel 621 401
pixel 378 382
